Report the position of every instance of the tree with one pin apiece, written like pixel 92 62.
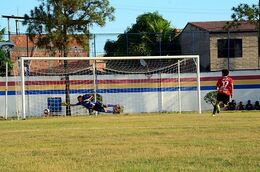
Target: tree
pixel 4 58
pixel 211 97
pixel 2 31
pixel 54 23
pixel 245 12
pixel 150 35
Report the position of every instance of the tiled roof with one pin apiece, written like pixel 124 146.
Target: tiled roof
pixel 218 26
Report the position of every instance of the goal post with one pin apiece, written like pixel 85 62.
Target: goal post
pixel 138 83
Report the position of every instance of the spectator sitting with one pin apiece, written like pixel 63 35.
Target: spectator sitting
pixel 257 106
pixel 240 106
pixel 249 106
pixel 232 105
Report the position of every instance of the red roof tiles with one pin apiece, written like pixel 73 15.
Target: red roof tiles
pixel 218 26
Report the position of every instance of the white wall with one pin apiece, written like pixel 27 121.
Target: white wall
pixel 132 102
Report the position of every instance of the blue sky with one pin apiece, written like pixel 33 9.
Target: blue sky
pixel 178 12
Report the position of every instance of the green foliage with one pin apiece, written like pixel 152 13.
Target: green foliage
pixel 244 12
pixel 3 60
pixel 2 31
pixel 4 57
pixel 211 97
pixel 150 35
pixel 54 23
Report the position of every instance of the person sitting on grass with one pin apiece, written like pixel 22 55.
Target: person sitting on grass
pixel 257 106
pixel 249 106
pixel 232 105
pixel 240 106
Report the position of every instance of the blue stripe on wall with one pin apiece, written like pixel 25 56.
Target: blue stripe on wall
pixel 254 86
pixel 127 90
pixel 9 93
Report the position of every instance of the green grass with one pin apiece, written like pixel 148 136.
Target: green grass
pixel 155 142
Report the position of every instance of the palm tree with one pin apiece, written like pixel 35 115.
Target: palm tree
pixel 150 35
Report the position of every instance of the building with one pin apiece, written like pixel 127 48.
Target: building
pixel 235 48
pixel 23 46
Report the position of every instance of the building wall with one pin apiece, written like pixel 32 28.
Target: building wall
pixel 195 41
pixel 23 46
pixel 137 93
pixel 250 52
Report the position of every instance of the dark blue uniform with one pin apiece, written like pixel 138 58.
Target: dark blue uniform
pixel 85 102
pixel 97 106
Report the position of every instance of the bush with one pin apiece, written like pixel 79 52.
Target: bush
pixel 3 60
pixel 211 97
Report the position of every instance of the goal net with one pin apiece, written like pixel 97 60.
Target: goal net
pixel 137 84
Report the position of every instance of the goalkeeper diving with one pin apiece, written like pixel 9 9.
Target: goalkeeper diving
pixel 88 102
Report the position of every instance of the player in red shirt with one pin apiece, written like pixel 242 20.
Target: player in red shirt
pixel 225 87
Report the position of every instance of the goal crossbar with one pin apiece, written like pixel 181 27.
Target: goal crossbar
pixel 111 58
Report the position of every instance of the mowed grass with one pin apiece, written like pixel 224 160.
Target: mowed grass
pixel 153 142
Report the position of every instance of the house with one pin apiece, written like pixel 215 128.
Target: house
pixel 235 48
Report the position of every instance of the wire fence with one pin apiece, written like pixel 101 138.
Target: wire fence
pixel 218 50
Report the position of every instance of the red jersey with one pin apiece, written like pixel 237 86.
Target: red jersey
pixel 225 85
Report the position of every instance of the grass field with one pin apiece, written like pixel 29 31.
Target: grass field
pixel 154 142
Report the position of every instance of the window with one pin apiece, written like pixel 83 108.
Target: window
pixel 234 50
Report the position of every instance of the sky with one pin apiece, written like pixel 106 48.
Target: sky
pixel 178 12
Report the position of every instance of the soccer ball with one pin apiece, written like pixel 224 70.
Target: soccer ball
pixel 46 111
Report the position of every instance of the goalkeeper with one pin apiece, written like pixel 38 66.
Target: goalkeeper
pixel 87 101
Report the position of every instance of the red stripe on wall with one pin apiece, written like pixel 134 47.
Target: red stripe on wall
pixel 119 81
pixel 234 77
pixel 129 81
pixel 10 83
pixel 58 82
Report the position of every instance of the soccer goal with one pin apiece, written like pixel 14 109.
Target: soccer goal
pixel 138 84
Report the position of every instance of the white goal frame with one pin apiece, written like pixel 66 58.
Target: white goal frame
pixel 196 57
